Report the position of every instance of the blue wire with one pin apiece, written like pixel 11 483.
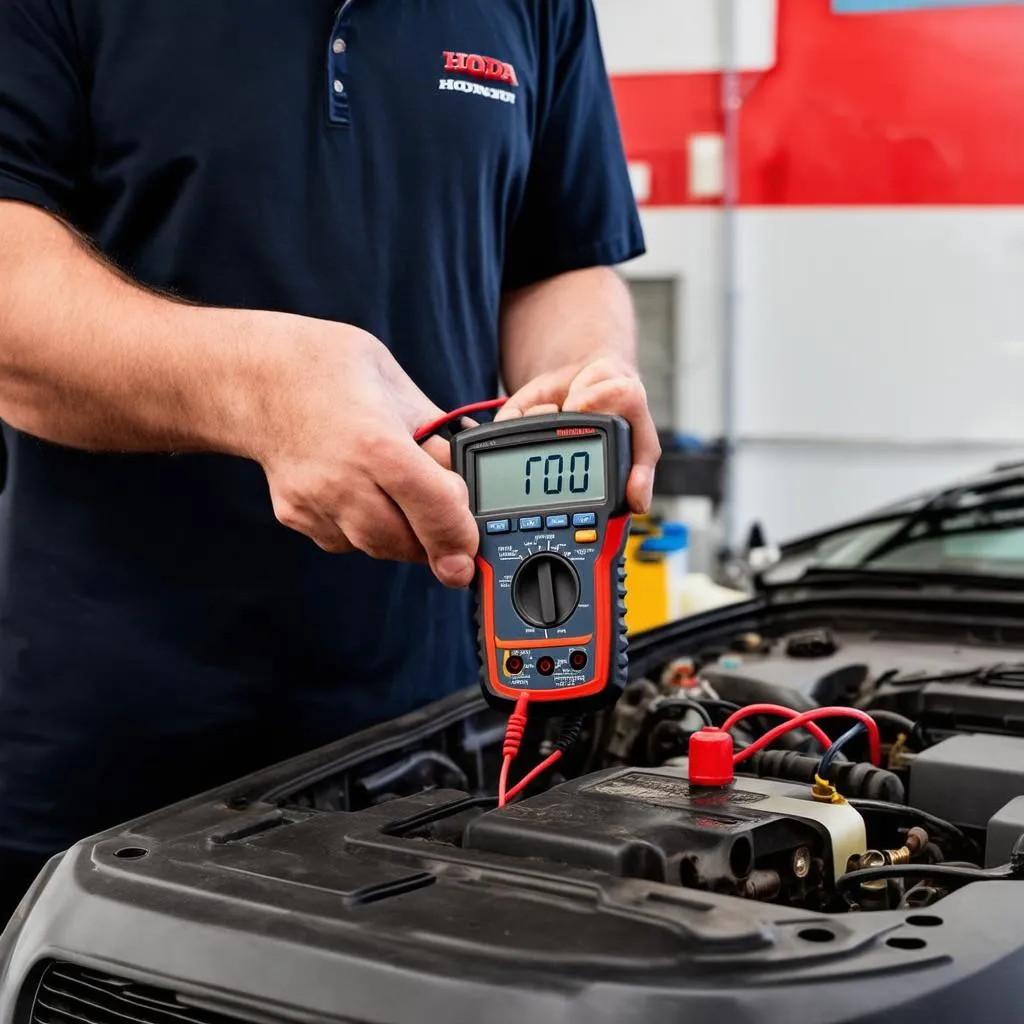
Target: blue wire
pixel 825 765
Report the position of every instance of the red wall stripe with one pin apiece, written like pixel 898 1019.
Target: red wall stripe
pixel 922 107
pixel 658 114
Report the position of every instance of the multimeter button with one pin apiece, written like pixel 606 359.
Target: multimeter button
pixel 545 665
pixel 578 659
pixel 584 519
pixel 498 526
pixel 513 664
pixel 557 522
pixel 530 523
pixel 586 536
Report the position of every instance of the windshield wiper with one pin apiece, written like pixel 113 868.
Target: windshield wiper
pixel 1008 674
pixel 919 578
pixel 945 506
pixel 931 508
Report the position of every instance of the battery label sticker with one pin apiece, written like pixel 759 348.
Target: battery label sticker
pixel 661 791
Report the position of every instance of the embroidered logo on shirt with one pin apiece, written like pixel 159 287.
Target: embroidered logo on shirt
pixel 487 68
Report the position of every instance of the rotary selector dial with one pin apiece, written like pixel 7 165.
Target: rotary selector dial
pixel 545 590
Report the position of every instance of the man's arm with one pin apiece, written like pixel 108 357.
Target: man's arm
pixel 92 360
pixel 572 318
pixel 570 343
pixel 568 330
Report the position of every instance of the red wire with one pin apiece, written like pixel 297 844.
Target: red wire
pixel 456 414
pixel 775 709
pixel 531 775
pixel 514 729
pixel 874 740
pixel 506 764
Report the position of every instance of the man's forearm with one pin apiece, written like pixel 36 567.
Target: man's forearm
pixel 89 359
pixel 571 319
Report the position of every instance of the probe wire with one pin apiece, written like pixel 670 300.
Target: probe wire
pixel 532 774
pixel 428 430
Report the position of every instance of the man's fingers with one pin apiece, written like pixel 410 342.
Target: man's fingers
pixel 439 450
pixel 377 527
pixel 541 410
pixel 436 504
pixel 547 389
pixel 625 397
pixel 606 368
pixel 320 529
pixel 640 488
pixel 326 536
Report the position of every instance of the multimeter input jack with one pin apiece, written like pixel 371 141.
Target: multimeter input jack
pixel 545 590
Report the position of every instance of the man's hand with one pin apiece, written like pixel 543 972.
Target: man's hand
pixel 334 436
pixel 608 385
pixel 91 360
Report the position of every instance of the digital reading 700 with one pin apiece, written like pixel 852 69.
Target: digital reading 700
pixel 535 475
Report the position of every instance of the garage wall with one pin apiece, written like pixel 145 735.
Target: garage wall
pixel 880 237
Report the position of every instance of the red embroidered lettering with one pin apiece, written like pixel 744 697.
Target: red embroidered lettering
pixel 480 67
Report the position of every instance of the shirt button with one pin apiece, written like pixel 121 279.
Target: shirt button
pixel 340 46
pixel 339 86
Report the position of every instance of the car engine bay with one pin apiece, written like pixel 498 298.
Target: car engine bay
pixel 944 808
pixel 377 875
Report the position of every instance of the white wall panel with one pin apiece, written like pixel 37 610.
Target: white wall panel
pixel 685 244
pixel 880 351
pixel 651 36
pixel 882 324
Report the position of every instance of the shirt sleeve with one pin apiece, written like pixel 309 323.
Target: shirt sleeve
pixel 42 105
pixel 578 210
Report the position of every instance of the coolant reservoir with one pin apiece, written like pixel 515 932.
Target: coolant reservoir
pixel 699 593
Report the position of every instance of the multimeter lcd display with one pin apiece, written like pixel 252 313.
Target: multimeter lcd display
pixel 536 475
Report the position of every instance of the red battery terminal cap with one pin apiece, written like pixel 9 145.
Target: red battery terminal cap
pixel 711 754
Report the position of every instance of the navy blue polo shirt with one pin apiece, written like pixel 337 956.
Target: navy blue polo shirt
pixel 394 164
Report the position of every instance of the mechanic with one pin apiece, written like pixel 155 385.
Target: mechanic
pixel 245 250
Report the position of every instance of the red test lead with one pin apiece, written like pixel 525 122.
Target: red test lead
pixel 428 430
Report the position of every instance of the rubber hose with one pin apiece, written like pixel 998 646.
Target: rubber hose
pixel 855 779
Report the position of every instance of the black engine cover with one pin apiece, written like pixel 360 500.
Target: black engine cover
pixel 652 824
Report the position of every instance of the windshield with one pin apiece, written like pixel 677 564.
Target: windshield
pixel 967 533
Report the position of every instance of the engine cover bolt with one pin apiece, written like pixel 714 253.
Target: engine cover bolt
pixel 802 862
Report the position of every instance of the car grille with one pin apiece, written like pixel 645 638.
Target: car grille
pixel 68 994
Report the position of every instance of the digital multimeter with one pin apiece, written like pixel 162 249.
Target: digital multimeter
pixel 549 496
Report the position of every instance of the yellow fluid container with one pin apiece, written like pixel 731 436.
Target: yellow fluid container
pixel 655 571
